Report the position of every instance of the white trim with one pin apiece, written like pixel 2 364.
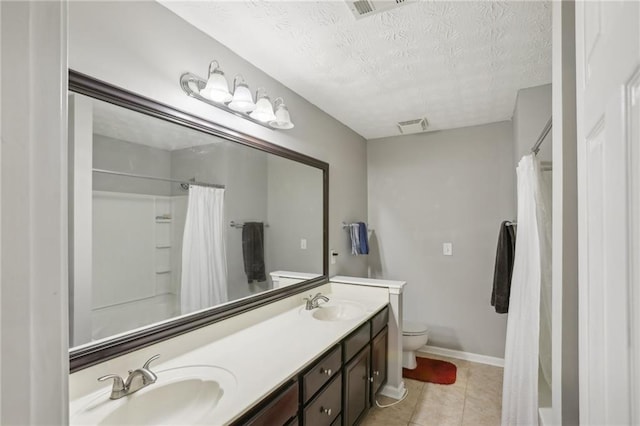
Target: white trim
pixel 394 287
pixel 467 356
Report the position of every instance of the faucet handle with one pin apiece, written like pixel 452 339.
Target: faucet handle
pixel 118 383
pixel 119 389
pixel 150 360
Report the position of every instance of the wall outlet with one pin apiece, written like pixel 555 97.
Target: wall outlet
pixel 303 243
pixel 447 249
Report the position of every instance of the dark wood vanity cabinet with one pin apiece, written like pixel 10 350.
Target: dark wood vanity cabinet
pixel 280 408
pixel 356 387
pixel 335 390
pixel 379 350
pixel 365 374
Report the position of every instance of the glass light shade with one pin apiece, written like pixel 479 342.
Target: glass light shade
pixel 264 110
pixel 242 99
pixel 283 119
pixel 216 89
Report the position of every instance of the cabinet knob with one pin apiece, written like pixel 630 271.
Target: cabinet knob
pixel 376 373
pixel 325 371
pixel 326 411
pixel 371 379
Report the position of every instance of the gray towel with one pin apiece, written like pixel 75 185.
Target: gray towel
pixel 505 255
pixel 253 251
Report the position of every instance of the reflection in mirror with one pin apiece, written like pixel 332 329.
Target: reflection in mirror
pixel 167 221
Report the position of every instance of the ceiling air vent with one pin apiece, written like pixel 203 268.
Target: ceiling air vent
pixel 413 126
pixel 364 8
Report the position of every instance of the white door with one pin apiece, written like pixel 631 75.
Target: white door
pixel 608 114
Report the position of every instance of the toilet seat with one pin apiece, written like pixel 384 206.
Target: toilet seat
pixel 413 328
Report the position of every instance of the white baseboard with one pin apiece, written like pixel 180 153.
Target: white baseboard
pixel 467 356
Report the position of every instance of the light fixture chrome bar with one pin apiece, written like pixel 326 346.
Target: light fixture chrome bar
pixel 188 80
pixel 545 131
pixel 181 182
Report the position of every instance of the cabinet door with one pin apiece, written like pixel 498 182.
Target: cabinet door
pixel 379 362
pixel 356 387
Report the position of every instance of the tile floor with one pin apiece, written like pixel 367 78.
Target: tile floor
pixel 475 399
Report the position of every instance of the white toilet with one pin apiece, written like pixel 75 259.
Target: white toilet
pixel 414 336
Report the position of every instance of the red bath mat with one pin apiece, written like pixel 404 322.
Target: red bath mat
pixel 432 370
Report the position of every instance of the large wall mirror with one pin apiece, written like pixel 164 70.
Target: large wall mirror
pixel 176 222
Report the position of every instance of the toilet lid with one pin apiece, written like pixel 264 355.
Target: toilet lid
pixel 413 328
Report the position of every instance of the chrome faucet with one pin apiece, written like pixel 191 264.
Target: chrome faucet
pixel 136 380
pixel 312 302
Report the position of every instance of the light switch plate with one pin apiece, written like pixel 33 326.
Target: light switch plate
pixel 303 243
pixel 447 249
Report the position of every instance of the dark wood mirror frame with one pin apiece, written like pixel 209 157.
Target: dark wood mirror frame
pixel 93 354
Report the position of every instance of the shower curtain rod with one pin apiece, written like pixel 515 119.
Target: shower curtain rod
pixel 545 131
pixel 183 183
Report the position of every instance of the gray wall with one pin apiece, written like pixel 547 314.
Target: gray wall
pixel 530 114
pixel 295 212
pixel 445 186
pixel 144 47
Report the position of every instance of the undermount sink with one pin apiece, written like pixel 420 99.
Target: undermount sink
pixel 184 395
pixel 339 311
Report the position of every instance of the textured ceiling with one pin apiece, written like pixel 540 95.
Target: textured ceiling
pixel 455 63
pixel 132 126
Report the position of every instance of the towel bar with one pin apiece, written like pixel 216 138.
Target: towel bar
pixel 239 225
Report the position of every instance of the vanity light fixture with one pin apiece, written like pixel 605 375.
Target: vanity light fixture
pixel 216 88
pixel 242 100
pixel 283 119
pixel 264 109
pixel 215 91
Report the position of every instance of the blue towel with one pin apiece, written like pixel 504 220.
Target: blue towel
pixel 363 239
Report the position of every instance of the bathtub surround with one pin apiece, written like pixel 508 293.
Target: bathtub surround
pixel 447 186
pixel 151 62
pixel 125 156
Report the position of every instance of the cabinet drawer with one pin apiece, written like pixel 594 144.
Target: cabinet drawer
pixel 356 341
pixel 324 408
pixel 379 321
pixel 279 411
pixel 321 373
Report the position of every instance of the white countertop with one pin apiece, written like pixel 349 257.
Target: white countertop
pixel 266 355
